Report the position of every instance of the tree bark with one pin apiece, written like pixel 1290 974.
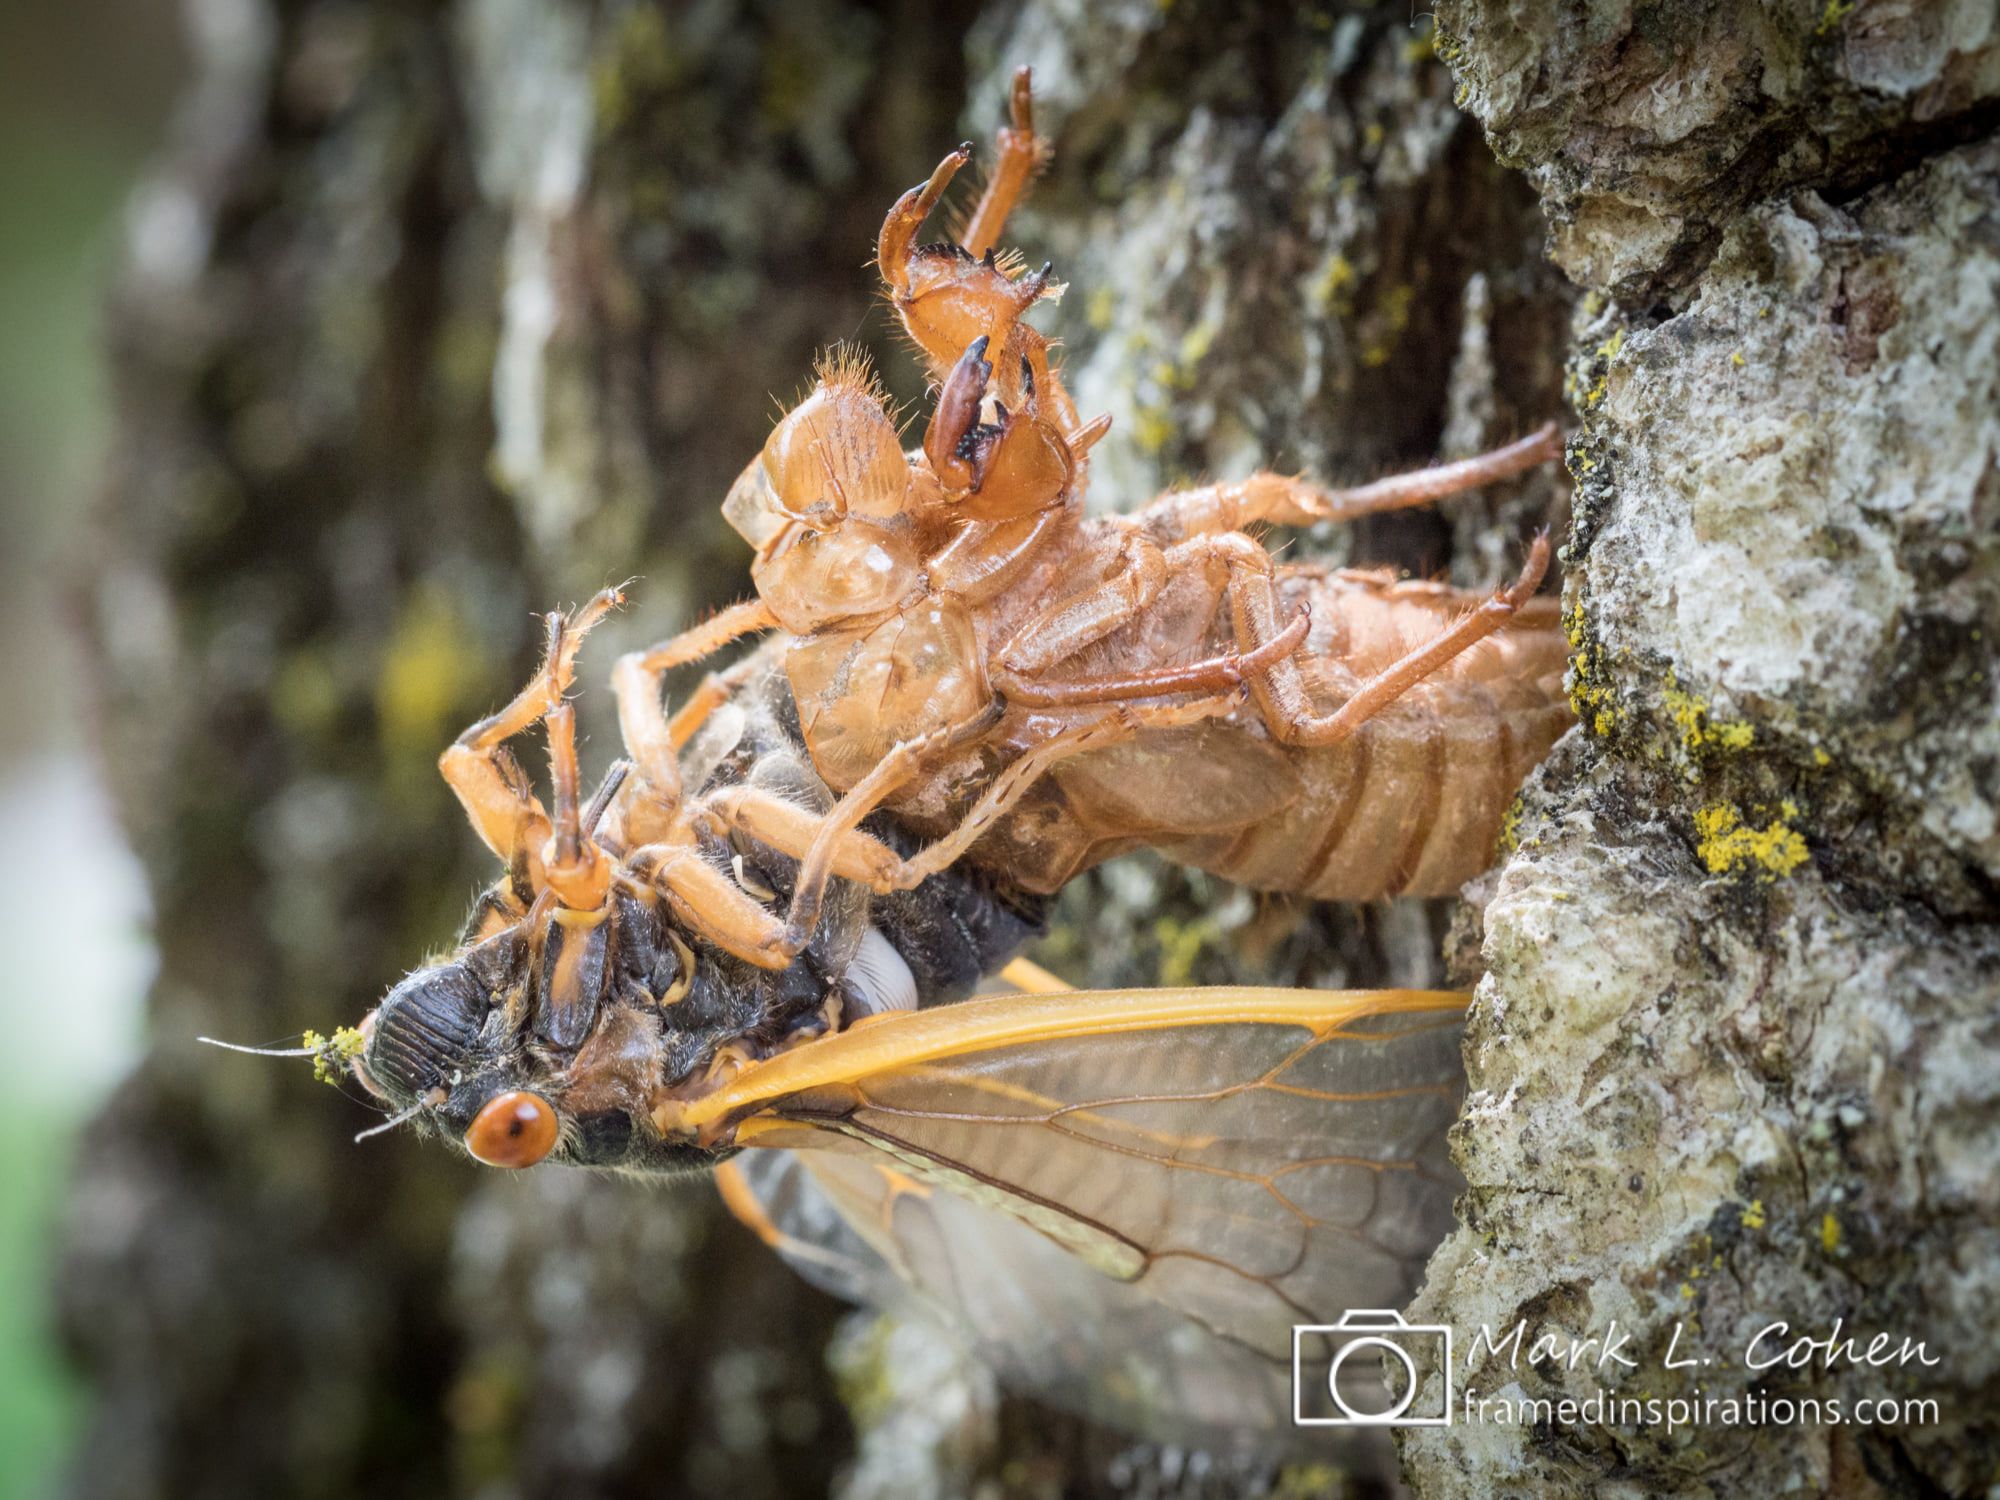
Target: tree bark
pixel 439 315
pixel 1735 1061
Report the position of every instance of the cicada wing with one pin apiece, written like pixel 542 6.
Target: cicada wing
pixel 1045 1322
pixel 1139 1171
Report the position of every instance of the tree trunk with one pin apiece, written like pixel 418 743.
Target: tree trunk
pixel 1736 1062
pixel 441 314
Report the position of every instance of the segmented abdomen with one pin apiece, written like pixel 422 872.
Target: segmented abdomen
pixel 1412 803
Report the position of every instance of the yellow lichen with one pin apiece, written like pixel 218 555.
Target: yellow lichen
pixel 1196 343
pixel 1699 732
pixel 1181 946
pixel 1736 358
pixel 1836 11
pixel 1726 843
pixel 1395 318
pixel 1610 347
pixel 1590 693
pixel 1151 429
pixel 1829 1234
pixel 1510 830
pixel 637 62
pixel 1820 757
pixel 1310 1481
pixel 305 693
pixel 1331 288
pixel 1753 1216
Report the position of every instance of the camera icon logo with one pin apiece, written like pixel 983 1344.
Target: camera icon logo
pixel 1337 1371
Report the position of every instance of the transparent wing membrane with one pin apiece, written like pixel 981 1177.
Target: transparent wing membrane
pixel 1128 1217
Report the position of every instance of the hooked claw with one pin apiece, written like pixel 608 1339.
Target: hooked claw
pixel 899 230
pixel 955 415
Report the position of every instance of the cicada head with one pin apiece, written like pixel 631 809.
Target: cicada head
pixel 824 505
pixel 555 1038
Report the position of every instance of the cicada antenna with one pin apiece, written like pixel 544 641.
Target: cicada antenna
pixel 429 1101
pixel 260 1051
pixel 331 1055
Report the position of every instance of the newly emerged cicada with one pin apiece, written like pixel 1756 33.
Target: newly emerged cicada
pixel 750 949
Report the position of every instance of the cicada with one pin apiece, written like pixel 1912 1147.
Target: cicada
pixel 750 949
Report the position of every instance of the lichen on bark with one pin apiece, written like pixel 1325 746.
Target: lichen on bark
pixel 1734 1061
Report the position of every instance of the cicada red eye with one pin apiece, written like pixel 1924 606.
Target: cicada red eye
pixel 514 1130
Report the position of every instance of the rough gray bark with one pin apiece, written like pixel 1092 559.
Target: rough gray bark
pixel 1736 1061
pixel 440 315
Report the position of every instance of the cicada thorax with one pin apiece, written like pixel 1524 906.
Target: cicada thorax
pixel 856 569
pixel 863 690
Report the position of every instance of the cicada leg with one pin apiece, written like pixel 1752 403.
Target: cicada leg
pixel 727 916
pixel 1022 463
pixel 897 240
pixel 1030 978
pixel 576 870
pixel 946 297
pixel 488 782
pixel 1020 152
pixel 1281 691
pixel 835 845
pixel 1285 500
pixel 1020 667
pixel 651 739
pixel 716 689
pixel 709 902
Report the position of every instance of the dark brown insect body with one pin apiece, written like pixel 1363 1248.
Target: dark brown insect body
pixel 610 1015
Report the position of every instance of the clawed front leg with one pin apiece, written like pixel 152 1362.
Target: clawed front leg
pixel 898 237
